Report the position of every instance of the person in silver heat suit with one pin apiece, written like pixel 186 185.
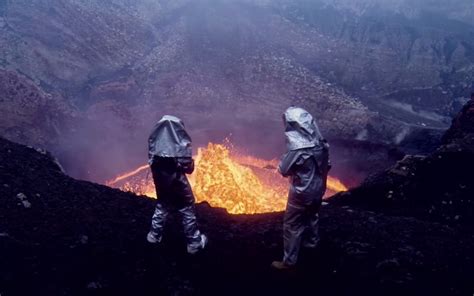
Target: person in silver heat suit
pixel 306 164
pixel 170 159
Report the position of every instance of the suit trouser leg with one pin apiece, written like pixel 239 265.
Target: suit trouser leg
pixel 311 233
pixel 191 230
pixel 158 220
pixel 293 228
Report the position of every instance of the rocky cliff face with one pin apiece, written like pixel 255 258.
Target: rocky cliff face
pixel 463 124
pixel 371 72
pixel 414 56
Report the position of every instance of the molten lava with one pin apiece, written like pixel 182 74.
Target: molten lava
pixel 224 182
pixel 239 183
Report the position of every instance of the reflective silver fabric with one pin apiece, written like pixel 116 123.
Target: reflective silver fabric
pixel 158 221
pixel 307 170
pixel 306 164
pixel 191 231
pixel 169 139
pixel 172 185
pixel 300 227
pixel 170 158
pixel 301 130
pixel 188 216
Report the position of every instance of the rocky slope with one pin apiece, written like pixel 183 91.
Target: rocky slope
pixel 371 72
pixel 30 115
pixel 63 236
pixel 438 187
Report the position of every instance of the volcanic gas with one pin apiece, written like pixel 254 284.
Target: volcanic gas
pixel 223 177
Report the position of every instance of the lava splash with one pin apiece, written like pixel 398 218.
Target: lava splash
pixel 240 183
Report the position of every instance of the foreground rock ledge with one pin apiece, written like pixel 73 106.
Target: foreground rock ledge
pixel 404 231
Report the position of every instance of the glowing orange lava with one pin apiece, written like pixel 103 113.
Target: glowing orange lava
pixel 239 183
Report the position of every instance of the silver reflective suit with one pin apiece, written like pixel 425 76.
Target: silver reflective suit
pixel 306 164
pixel 170 159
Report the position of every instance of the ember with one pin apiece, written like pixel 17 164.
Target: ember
pixel 239 183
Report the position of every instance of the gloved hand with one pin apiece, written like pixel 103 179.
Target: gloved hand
pixel 186 165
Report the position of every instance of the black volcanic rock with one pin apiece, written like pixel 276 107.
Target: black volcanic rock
pixel 438 187
pixel 60 236
pixel 463 124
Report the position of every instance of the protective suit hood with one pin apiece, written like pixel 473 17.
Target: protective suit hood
pixel 169 139
pixel 301 130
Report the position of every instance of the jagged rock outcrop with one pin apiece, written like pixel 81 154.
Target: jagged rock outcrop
pixel 438 187
pixel 463 124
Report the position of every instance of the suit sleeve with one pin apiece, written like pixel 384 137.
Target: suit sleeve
pixel 287 162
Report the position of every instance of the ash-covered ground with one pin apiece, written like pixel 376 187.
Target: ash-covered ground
pixel 61 236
